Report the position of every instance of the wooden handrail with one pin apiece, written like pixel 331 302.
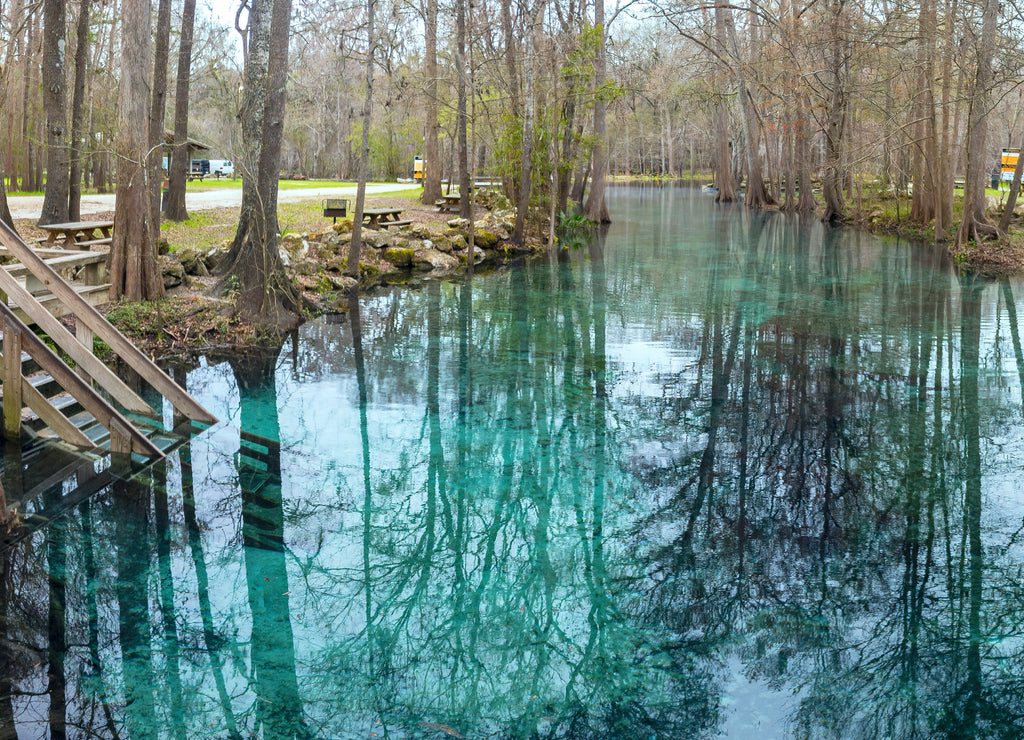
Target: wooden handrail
pixel 103 329
pixel 83 391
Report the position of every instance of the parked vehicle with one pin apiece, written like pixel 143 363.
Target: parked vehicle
pixel 199 168
pixel 222 168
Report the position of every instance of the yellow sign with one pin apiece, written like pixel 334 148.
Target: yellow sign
pixel 1010 157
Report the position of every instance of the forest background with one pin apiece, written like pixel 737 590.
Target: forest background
pixel 879 110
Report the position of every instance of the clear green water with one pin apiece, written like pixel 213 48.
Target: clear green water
pixel 720 474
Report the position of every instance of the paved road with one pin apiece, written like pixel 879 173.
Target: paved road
pixel 30 206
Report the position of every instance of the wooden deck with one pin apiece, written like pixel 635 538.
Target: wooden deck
pixel 88 407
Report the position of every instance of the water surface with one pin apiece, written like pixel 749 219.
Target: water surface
pixel 714 474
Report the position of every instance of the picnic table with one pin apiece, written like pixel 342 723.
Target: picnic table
pixel 382 218
pixel 448 202
pixel 78 234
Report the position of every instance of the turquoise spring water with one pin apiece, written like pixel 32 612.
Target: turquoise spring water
pixel 714 474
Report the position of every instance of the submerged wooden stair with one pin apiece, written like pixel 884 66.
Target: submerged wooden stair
pixel 89 406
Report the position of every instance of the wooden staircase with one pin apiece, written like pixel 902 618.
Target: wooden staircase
pixel 87 406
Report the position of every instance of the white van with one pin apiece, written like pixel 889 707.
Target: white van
pixel 222 168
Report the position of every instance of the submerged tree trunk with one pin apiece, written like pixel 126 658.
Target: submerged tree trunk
pixel 176 209
pixel 133 273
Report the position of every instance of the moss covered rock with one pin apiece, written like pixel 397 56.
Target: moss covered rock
pixel 399 256
pixel 486 239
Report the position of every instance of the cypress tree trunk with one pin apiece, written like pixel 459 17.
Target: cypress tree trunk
pixel 597 207
pixel 156 114
pixel 55 200
pixel 364 152
pixel 723 164
pixel 251 117
pixel 133 273
pixel 266 295
pixel 78 113
pixel 974 225
pixel 432 152
pixel 463 117
pixel 176 210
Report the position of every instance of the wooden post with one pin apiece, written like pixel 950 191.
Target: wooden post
pixel 120 449
pixel 12 382
pixel 3 508
pixel 85 337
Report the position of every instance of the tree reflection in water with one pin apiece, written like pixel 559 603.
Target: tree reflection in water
pixel 562 501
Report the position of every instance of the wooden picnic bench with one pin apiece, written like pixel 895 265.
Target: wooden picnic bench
pixel 382 218
pixel 76 234
pixel 448 202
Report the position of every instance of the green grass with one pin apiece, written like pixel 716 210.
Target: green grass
pixel 229 183
pixel 412 193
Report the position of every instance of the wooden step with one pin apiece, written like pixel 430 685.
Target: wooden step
pixel 66 261
pixel 93 294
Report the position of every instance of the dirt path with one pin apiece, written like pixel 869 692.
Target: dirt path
pixel 30 206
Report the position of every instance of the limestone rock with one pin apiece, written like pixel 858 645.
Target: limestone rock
pixel 342 282
pixel 191 262
pixel 173 274
pixel 431 259
pixel 214 258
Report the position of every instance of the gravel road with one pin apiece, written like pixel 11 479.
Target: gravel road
pixel 30 206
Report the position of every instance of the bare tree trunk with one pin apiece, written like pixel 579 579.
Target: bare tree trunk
pixel 723 165
pixel 757 195
pixel 254 101
pixel 266 295
pixel 465 187
pixel 947 163
pixel 924 207
pixel 133 273
pixel 364 152
pixel 975 225
pixel 432 153
pixel 176 209
pixel 565 165
pixel 535 17
pixel 1011 199
pixel 835 120
pixel 157 112
pixel 55 200
pixel 78 113
pixel 597 206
